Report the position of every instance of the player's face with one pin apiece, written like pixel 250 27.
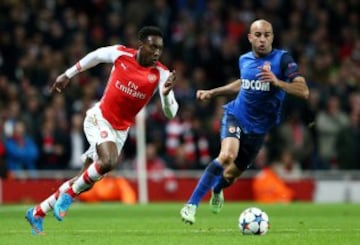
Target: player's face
pixel 261 37
pixel 151 50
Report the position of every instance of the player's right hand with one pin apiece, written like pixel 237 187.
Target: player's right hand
pixel 203 95
pixel 60 83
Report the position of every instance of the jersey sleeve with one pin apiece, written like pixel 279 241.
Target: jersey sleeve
pixel 101 55
pixel 289 67
pixel 168 102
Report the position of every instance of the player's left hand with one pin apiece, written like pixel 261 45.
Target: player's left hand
pixel 266 75
pixel 60 83
pixel 169 83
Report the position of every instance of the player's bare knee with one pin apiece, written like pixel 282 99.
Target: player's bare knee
pixel 226 157
pixel 107 163
pixel 229 177
pixel 231 173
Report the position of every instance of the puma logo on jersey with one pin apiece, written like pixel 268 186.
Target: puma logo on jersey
pixel 123 66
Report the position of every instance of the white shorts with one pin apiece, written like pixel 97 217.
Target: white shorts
pixel 98 130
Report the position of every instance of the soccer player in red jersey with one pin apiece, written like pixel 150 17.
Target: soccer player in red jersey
pixel 134 78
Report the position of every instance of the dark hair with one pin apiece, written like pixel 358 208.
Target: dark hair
pixel 146 31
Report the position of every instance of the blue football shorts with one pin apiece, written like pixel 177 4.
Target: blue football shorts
pixel 250 144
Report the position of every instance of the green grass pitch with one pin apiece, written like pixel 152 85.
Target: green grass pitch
pixel 160 223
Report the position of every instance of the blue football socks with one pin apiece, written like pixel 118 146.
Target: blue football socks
pixel 210 176
pixel 221 184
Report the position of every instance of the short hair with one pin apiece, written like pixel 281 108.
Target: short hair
pixel 146 31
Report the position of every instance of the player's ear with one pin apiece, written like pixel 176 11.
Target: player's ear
pixel 140 43
pixel 249 37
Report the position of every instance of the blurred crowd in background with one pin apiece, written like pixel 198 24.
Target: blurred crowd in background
pixel 203 41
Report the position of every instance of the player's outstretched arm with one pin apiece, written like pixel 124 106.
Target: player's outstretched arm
pixel 229 89
pixel 101 55
pixel 297 87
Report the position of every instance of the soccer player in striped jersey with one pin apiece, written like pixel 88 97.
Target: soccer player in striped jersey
pixel 266 75
pixel 136 75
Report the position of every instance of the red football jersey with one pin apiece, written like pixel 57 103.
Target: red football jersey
pixel 129 88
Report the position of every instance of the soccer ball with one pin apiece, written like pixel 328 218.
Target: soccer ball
pixel 253 221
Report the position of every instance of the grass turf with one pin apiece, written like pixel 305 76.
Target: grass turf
pixel 160 223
